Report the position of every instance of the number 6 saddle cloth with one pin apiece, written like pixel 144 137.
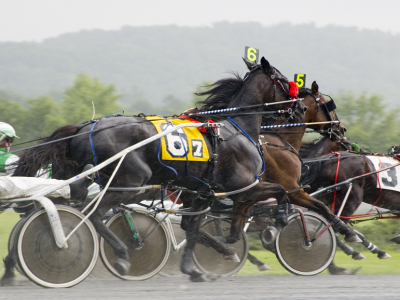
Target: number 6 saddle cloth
pixel 186 143
pixel 389 179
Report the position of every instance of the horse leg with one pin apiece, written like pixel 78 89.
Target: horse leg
pixel 121 264
pixel 372 248
pixel 260 265
pixel 218 245
pixel 242 206
pixel 335 270
pixel 207 240
pixel 301 198
pixel 192 235
pixel 348 250
pixel 8 278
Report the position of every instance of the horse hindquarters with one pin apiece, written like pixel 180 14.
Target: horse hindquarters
pixel 303 199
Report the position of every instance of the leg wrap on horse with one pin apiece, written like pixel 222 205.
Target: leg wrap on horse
pixel 208 240
pixel 339 225
pixel 282 215
pixel 371 247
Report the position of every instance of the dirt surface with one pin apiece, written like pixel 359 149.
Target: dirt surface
pixel 179 287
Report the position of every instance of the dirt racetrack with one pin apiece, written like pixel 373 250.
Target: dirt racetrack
pixel 371 287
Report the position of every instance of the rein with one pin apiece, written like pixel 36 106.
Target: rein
pixel 219 111
pixel 299 124
pixel 288 146
pixel 227 110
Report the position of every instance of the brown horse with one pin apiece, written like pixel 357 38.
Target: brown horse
pixel 337 167
pixel 280 152
pixel 284 167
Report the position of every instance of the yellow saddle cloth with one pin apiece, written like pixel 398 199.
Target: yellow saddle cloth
pixel 187 141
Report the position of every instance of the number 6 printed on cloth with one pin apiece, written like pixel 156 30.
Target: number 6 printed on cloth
pixel 177 143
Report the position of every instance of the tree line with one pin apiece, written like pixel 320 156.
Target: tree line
pixel 367 118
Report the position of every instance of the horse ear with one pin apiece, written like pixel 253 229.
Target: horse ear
pixel 314 88
pixel 249 64
pixel 265 64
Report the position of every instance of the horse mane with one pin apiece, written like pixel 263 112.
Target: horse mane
pixel 220 93
pixel 308 146
pixel 304 92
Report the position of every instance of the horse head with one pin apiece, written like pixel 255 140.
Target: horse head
pixel 322 110
pixel 281 89
pixel 394 151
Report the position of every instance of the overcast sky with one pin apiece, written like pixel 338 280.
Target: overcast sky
pixel 35 20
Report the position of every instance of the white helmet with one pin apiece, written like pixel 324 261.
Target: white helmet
pixel 6 130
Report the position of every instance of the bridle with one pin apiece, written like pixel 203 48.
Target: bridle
pixel 276 76
pixel 328 107
pixel 346 147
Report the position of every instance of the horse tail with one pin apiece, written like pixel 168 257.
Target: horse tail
pixel 57 154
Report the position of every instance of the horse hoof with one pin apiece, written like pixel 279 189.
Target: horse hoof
pixel 358 256
pixel 122 266
pixel 354 271
pixel 187 264
pixel 263 267
pixel 234 257
pixel 395 239
pixel 353 238
pixel 339 271
pixel 384 256
pixel 198 278
pixel 9 282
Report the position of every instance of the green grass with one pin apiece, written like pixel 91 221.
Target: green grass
pixel 371 265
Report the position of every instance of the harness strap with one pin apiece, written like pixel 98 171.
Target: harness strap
pixel 249 138
pixel 336 177
pixel 94 153
pixel 289 147
pixel 380 188
pixel 298 188
pixel 212 164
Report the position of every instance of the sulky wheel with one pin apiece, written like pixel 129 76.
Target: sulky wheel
pixel 299 258
pixel 43 262
pixel 208 260
pixel 147 260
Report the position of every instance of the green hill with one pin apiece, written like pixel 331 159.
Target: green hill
pixel 153 62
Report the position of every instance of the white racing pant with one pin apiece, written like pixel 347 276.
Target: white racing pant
pixel 24 187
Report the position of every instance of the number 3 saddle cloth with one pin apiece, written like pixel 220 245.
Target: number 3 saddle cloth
pixel 184 144
pixel 389 179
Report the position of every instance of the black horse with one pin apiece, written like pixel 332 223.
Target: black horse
pixel 238 166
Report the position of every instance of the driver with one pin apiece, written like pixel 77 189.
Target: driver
pixel 23 187
pixel 8 161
